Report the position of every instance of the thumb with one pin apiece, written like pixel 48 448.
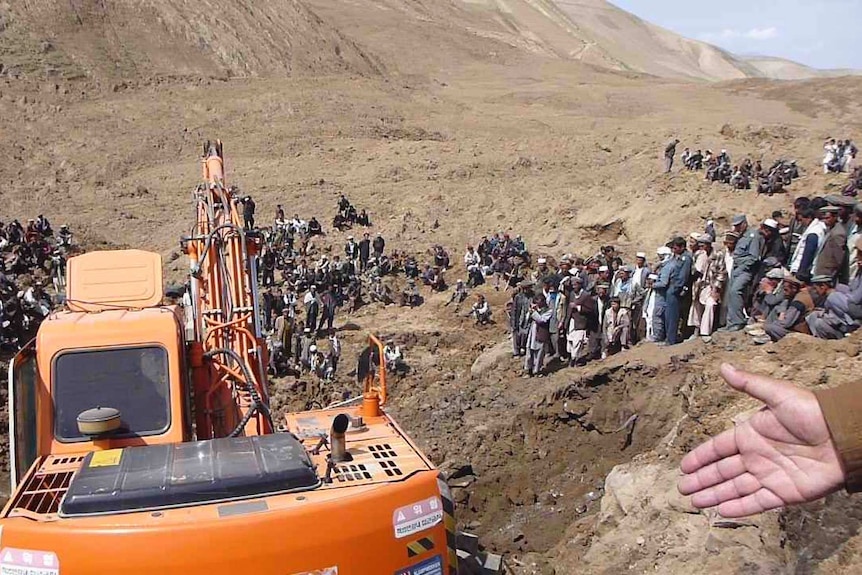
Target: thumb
pixel 769 391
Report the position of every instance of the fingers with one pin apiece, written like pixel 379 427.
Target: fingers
pixel 769 391
pixel 735 489
pixel 758 502
pixel 721 446
pixel 721 471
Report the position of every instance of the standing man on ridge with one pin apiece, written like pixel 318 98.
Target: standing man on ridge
pixel 669 153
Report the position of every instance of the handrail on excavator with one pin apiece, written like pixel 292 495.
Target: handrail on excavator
pixel 374 388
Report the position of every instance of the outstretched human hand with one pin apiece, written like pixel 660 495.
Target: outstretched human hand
pixel 782 455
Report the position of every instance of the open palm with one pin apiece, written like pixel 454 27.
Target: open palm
pixel 782 455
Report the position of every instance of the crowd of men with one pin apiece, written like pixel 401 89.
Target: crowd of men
pixel 769 279
pixel 797 272
pixel 347 216
pixel 303 287
pixel 743 176
pixel 838 156
pixel 32 266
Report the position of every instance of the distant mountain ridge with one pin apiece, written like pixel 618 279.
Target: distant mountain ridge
pixel 598 32
pixel 124 38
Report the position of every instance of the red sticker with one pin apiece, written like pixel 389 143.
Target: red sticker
pixel 417 517
pixel 26 562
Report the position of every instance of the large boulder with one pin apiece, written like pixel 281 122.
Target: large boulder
pixel 491 358
pixel 645 525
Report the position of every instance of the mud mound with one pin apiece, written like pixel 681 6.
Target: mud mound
pixel 211 38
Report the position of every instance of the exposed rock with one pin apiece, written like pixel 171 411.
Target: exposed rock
pixel 491 358
pixel 642 504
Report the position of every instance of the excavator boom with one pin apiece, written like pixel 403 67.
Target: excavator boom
pixel 231 392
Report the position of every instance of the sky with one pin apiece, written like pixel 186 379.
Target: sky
pixel 819 33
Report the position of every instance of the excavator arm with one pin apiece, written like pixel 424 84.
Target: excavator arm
pixel 227 353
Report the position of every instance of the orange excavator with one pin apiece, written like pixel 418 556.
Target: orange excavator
pixel 142 440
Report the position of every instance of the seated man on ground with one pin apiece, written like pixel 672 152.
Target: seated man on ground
pixel 799 302
pixel 459 295
pixel 394 358
pixel 481 310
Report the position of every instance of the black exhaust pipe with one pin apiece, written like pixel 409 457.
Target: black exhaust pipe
pixel 338 444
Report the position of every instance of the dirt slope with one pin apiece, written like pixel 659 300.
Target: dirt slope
pixel 589 31
pixel 205 37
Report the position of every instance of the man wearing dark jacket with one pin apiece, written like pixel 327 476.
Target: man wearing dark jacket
pixel 328 305
pixel 830 260
pixel 266 300
pixel 581 318
pixel 669 153
pixel 364 252
pixel 538 337
pixel 378 245
pixel 746 263
pixel 679 268
pixel 519 318
pixel 248 212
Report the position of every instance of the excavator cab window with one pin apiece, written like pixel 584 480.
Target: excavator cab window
pixel 22 411
pixel 133 380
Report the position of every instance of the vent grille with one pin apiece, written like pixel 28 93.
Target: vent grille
pixel 384 454
pixel 351 472
pixel 44 491
pixel 63 461
pixel 391 468
pixel 383 451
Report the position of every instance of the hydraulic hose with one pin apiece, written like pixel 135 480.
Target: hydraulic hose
pixel 259 404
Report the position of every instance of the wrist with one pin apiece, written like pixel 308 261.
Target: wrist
pixel 840 407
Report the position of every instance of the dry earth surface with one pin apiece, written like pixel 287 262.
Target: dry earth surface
pixel 445 132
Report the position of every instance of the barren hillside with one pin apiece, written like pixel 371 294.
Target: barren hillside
pixel 116 38
pixel 647 48
pixel 782 69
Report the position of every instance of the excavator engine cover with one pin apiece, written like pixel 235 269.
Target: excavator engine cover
pixel 159 476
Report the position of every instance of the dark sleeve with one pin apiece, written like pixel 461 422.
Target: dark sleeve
pixel 841 408
pixel 855 296
pixel 743 257
pixel 791 315
pixel 809 252
pixel 685 270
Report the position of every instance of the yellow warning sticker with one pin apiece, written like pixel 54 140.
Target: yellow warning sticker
pixel 107 458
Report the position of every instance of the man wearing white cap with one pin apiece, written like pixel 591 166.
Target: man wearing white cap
pixel 649 314
pixel 774 247
pixel 306 343
pixel 702 313
pixel 351 251
pixel 471 259
pixel 659 295
pixel 604 275
pixel 542 271
pixel 458 295
pixel 639 275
